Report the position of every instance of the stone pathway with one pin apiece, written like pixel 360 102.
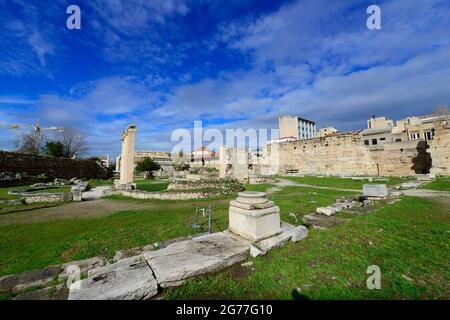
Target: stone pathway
pixel 97 193
pixel 425 193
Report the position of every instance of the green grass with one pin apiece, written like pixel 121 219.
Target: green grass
pixel 344 183
pixel 4 192
pixel 53 190
pixel 258 187
pixel 152 185
pixel 31 246
pixel 409 238
pixel 100 183
pixel 441 184
pixel 24 208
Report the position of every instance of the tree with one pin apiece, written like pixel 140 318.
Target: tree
pixel 30 143
pixel 54 149
pixel 441 110
pixel 147 165
pixel 74 143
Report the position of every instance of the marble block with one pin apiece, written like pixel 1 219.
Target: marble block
pixel 253 217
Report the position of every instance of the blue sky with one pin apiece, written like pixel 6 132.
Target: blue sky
pixel 162 64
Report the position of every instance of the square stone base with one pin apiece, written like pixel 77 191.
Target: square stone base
pixel 124 186
pixel 255 225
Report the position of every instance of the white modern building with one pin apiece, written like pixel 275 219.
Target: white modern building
pixel 296 127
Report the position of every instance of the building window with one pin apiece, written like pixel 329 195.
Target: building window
pixel 374 142
pixel 428 135
pixel 415 135
pixel 366 142
pixel 382 139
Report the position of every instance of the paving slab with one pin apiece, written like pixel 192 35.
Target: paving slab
pixel 123 280
pixel 182 260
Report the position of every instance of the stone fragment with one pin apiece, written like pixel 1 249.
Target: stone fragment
pixel 124 280
pixel 58 292
pixel 182 260
pixel 328 211
pixel 22 281
pixel 127 253
pixel 83 265
pixel 375 190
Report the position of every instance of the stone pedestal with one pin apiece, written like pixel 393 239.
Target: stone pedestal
pixel 253 217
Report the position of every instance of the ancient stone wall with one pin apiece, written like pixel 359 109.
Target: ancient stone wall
pixel 51 167
pixel 440 152
pixel 333 155
pixel 345 155
pixel 405 158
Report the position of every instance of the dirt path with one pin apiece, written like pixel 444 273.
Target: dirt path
pixel 281 183
pixel 90 209
pixel 426 193
pixel 73 210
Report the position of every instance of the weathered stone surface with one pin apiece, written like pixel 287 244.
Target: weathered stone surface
pixel 328 211
pixel 253 217
pixel 123 254
pixel 58 292
pixel 83 265
pixel 254 206
pixel 375 190
pixel 179 261
pixel 34 278
pixel 124 280
pixel 296 233
pixel 411 184
pixel 118 264
pixel 321 221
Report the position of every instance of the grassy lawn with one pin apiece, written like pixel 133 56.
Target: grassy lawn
pixel 344 183
pixel 408 241
pixel 53 190
pixel 441 183
pixel 4 192
pixel 30 246
pixel 152 185
pixel 296 200
pixel 100 183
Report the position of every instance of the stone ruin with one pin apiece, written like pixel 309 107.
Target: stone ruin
pixel 127 160
pixel 255 228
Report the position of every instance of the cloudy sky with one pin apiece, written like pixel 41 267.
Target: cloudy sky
pixel 162 64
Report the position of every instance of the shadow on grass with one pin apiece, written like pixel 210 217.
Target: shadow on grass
pixel 297 296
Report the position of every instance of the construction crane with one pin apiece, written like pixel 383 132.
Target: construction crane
pixel 37 130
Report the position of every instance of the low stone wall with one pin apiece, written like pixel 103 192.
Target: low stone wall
pixel 48 197
pixel 220 186
pixel 50 167
pixel 136 194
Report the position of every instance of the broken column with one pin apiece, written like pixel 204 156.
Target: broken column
pixel 253 217
pixel 127 159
